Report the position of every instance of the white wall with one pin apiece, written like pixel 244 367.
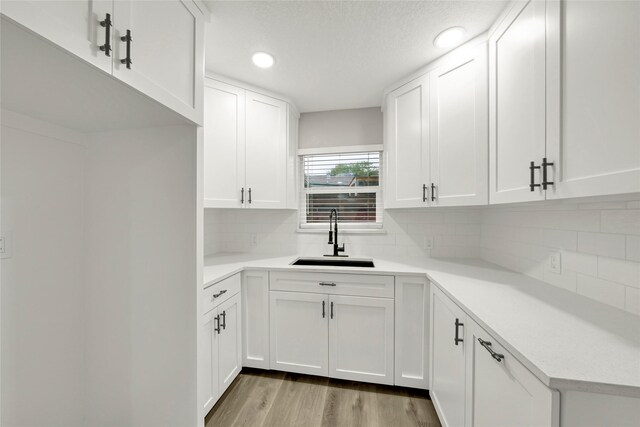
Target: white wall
pixel 141 269
pixel 338 128
pixel 599 241
pixel 42 283
pixel 456 233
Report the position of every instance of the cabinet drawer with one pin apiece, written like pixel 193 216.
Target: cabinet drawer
pixel 504 392
pixel 333 283
pixel 221 291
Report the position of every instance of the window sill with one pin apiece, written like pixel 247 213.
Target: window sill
pixel 341 231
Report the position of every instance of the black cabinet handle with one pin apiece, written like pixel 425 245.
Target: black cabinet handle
pixel 457 340
pixel 327 284
pixel 486 344
pixel 242 196
pixel 106 47
pixel 424 192
pixel 249 195
pixel 218 294
pixel 224 320
pixel 532 168
pixel 323 314
pixel 127 39
pixel 545 183
pixel 433 192
pixel 216 321
pixel 332 309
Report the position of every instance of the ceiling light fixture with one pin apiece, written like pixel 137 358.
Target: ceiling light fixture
pixel 262 59
pixel 450 37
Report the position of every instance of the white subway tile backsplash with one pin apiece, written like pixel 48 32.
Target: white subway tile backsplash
pixel 610 245
pixel 633 248
pixel 602 290
pixel 632 300
pixel 619 271
pixel 621 221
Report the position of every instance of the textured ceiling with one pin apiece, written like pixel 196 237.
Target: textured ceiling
pixel 334 54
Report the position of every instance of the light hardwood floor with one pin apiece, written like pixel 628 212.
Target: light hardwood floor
pixel 271 398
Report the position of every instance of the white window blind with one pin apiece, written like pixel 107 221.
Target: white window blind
pixel 348 182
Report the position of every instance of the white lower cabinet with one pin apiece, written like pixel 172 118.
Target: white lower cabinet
pixel 501 391
pixel 340 336
pixel 221 344
pixel 255 319
pixel 411 356
pixel 475 382
pixel 447 359
pixel 361 338
pixel 299 332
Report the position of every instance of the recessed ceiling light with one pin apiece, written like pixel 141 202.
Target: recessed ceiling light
pixel 262 59
pixel 450 37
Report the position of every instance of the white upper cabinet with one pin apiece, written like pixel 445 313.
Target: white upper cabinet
pixel 75 25
pixel 224 146
pixel 250 143
pixel 266 151
pixel 164 55
pixel 407 145
pixel 593 113
pixel 156 47
pixel 517 103
pixel 459 139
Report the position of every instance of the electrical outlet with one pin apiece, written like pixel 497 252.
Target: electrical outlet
pixel 5 246
pixel 555 262
pixel 428 242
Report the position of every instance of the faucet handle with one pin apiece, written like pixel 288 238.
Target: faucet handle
pixel 341 248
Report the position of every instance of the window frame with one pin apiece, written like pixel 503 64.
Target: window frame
pixel 365 227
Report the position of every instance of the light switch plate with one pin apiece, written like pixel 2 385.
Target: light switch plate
pixel 555 262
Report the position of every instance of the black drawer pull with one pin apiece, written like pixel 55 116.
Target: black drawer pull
pixel 457 340
pixel 327 284
pixel 323 310
pixel 332 309
pixel 486 344
pixel 424 192
pixel 106 47
pixel 224 320
pixel 224 291
pixel 249 195
pixel 242 196
pixel 433 192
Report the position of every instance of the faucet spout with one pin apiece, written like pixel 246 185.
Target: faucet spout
pixel 333 220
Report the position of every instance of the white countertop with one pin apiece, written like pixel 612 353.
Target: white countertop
pixel 568 341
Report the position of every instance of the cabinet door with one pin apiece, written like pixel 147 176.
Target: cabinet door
pixel 208 373
pixel 266 151
pixel 361 338
pixel 166 52
pixel 255 319
pixel 412 332
pixel 407 145
pixel 459 134
pixel 224 141
pixel 299 332
pixel 593 109
pixel 503 392
pixel 517 103
pixel 230 342
pixel 447 359
pixel 72 25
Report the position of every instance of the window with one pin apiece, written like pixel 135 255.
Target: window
pixel 348 182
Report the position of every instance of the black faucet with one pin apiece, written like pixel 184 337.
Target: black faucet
pixel 336 249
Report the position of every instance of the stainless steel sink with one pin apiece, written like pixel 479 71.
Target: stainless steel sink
pixel 335 262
